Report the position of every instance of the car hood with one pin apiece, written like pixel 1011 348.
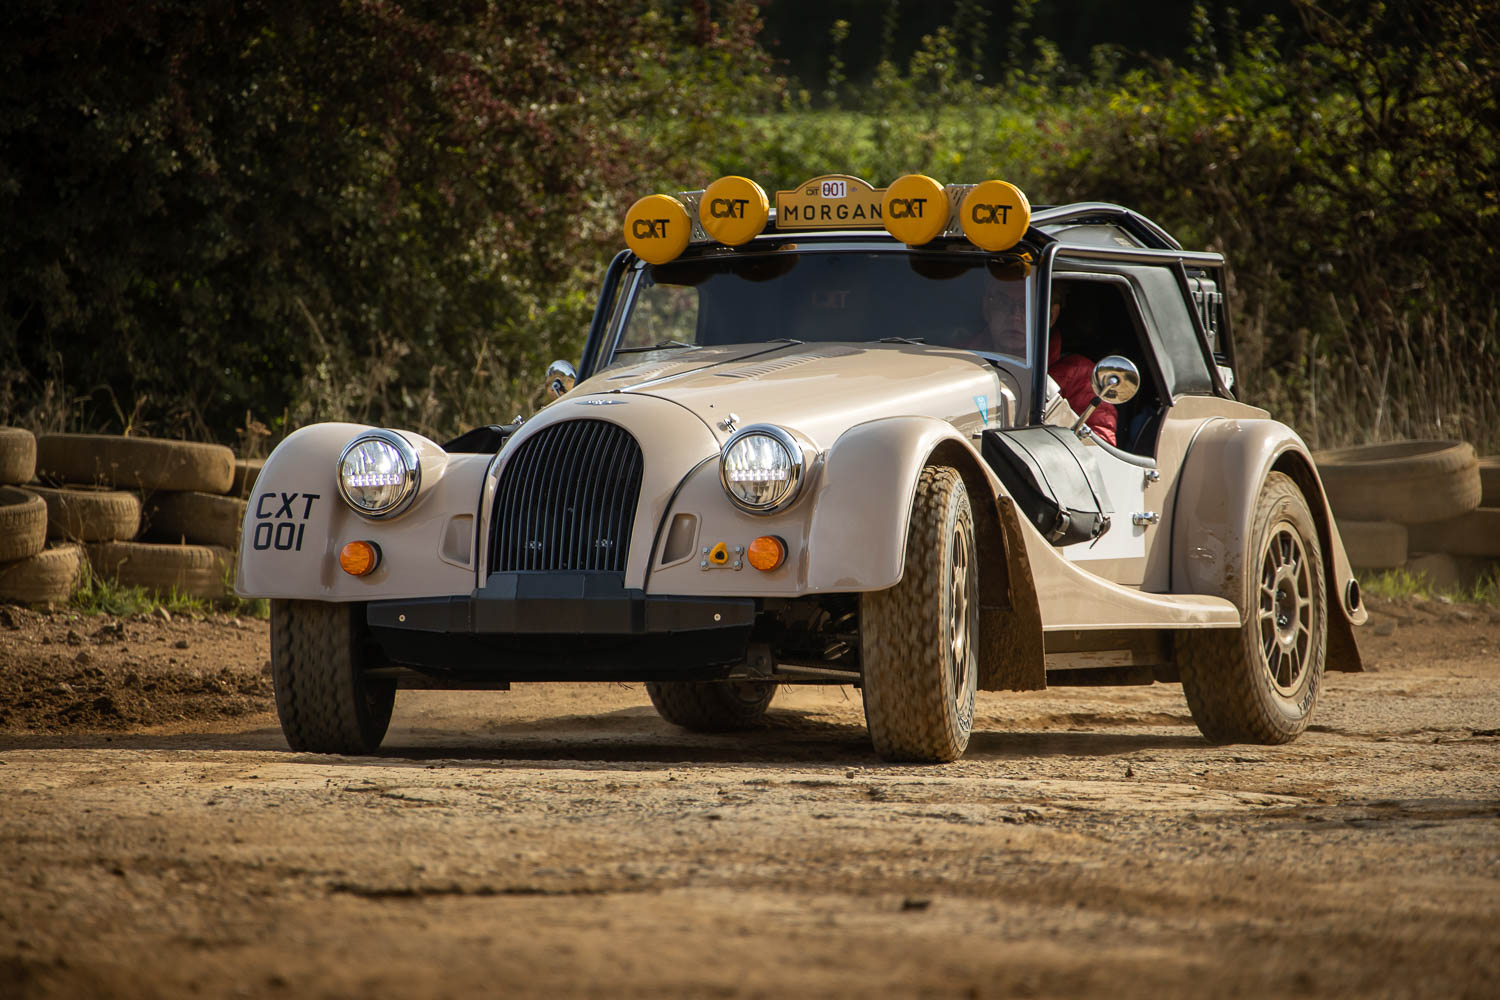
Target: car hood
pixel 819 390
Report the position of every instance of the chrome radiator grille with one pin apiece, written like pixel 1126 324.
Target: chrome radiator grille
pixel 566 500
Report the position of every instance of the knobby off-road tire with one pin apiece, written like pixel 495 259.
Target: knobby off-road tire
pixel 86 514
pixel 711 706
pixel 23 524
pixel 17 456
pixel 1411 482
pixel 919 640
pixel 318 655
pixel 1259 683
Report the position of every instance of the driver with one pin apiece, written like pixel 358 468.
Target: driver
pixel 1004 312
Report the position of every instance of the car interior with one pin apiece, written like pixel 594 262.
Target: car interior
pixel 1099 319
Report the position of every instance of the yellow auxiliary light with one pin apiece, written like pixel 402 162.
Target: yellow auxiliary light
pixel 995 215
pixel 657 228
pixel 915 209
pixel 734 210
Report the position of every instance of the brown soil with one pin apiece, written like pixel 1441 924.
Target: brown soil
pixel 157 839
pixel 67 671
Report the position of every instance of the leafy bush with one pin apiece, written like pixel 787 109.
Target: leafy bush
pixel 357 210
pixel 1351 180
pixel 1354 188
pixel 399 213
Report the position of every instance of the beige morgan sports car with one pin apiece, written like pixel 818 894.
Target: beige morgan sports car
pixel 819 439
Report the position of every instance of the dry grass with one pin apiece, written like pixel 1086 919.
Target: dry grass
pixel 1392 377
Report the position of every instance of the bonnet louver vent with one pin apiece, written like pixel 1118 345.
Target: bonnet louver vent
pixel 783 363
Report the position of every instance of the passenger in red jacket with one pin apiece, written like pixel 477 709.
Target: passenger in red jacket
pixel 1074 375
pixel 1004 310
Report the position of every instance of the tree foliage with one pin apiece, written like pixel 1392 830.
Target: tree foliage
pixel 1353 186
pixel 1351 179
pixel 357 209
pixel 399 213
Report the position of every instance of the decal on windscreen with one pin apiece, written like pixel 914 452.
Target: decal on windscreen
pixel 983 403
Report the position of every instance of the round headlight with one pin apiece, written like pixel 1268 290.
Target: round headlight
pixel 761 468
pixel 379 474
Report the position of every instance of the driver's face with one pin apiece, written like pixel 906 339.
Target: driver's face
pixel 1005 315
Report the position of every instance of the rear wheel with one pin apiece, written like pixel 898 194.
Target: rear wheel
pixel 318 655
pixel 1258 684
pixel 919 640
pixel 711 706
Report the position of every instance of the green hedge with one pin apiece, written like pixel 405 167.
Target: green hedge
pixel 236 217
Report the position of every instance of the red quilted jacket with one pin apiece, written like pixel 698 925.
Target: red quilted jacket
pixel 1072 373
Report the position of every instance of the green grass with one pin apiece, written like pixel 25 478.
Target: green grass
pixel 1487 588
pixel 1399 584
pixel 97 595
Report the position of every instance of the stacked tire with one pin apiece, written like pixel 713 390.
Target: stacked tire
pixel 32 570
pixel 1430 507
pixel 144 512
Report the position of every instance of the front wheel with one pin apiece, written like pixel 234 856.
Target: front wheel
pixel 919 640
pixel 1259 683
pixel 318 656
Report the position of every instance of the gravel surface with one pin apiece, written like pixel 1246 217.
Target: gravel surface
pixel 158 840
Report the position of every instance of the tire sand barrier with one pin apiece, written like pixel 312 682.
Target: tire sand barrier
pixel 187 570
pixel 17 456
pixel 51 575
pixel 195 518
pixel 23 523
pixel 90 513
pixel 1410 482
pixel 146 464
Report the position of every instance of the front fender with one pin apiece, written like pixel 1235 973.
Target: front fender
pixel 846 534
pixel 296 523
pixel 849 535
pixel 1221 480
pixel 860 524
pixel 863 503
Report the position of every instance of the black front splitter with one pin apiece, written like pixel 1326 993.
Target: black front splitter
pixel 564 626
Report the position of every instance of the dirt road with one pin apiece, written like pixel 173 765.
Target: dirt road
pixel 562 840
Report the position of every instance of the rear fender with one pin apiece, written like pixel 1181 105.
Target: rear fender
pixel 1221 478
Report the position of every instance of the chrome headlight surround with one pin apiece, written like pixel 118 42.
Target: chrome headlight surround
pixel 737 463
pixel 377 449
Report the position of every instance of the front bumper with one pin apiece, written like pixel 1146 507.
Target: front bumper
pixel 564 626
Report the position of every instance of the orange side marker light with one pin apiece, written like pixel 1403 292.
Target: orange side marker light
pixel 359 558
pixel 767 553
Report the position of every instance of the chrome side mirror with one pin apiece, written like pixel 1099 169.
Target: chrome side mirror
pixel 1116 379
pixel 561 377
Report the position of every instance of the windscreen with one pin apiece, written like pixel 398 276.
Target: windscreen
pixel 827 296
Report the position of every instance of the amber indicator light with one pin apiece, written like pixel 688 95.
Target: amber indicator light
pixel 766 553
pixel 359 558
